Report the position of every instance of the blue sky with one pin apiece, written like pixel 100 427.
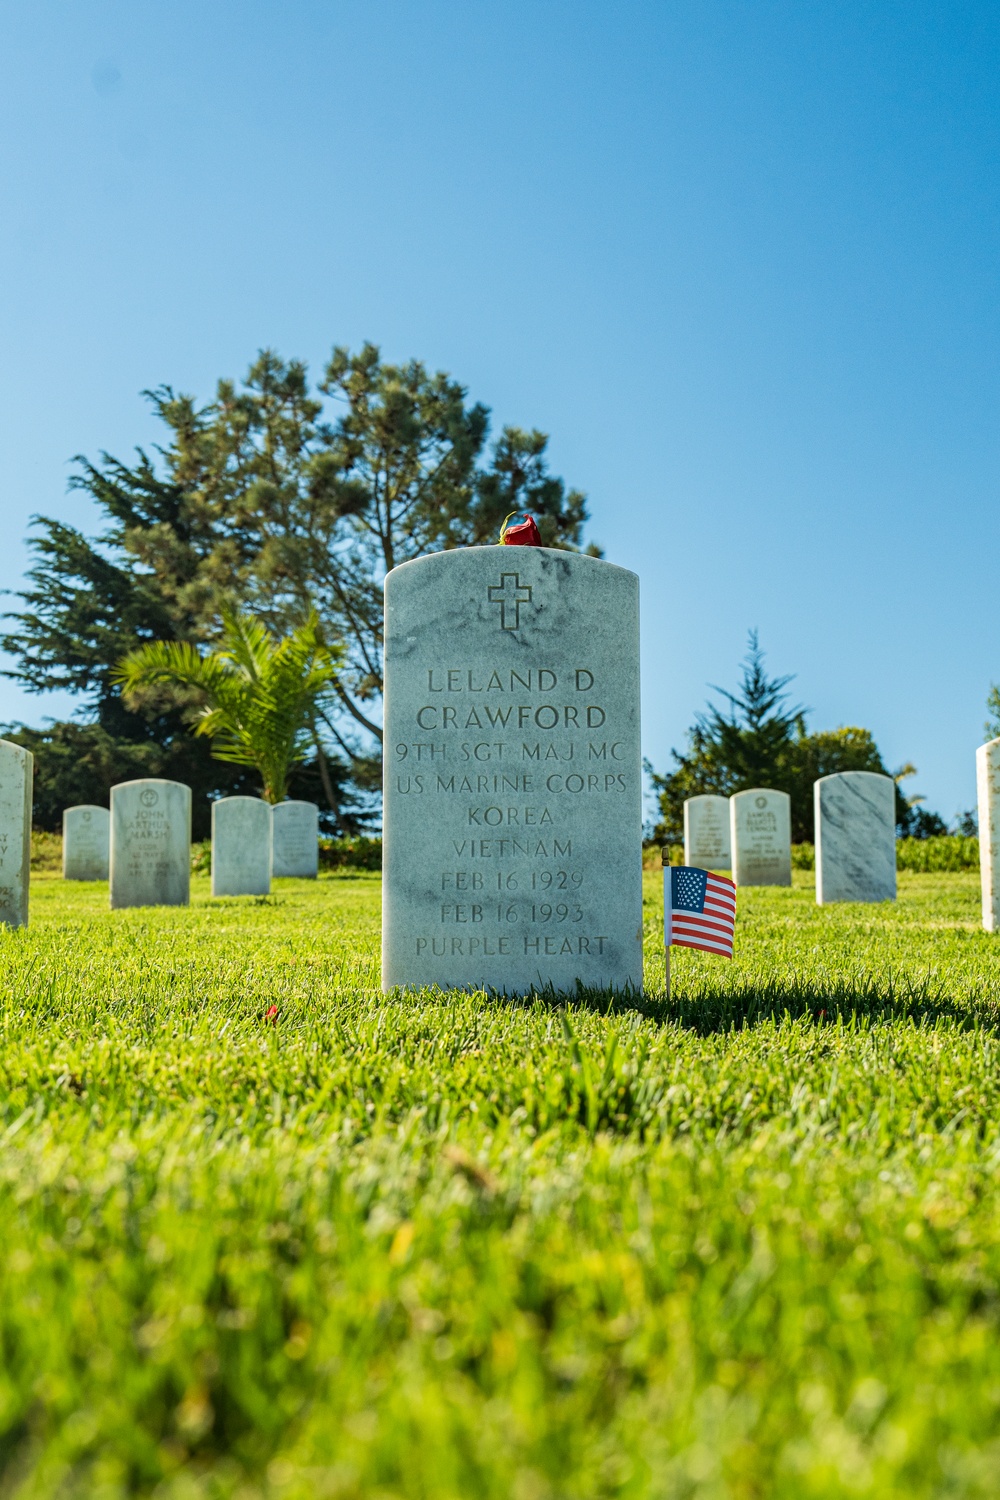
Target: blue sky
pixel 740 260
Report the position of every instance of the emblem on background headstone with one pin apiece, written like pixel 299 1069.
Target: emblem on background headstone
pixel 148 797
pixel 760 801
pixel 510 593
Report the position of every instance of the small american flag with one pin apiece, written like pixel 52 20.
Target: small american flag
pixel 699 910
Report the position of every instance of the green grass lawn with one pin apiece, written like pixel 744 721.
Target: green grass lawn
pixel 742 1244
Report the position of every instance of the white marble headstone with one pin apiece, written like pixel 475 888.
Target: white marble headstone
pixel 512 853
pixel 760 827
pixel 16 769
pixel 706 832
pixel 86 842
pixel 241 847
pixel 296 839
pixel 988 785
pixel 855 837
pixel 150 843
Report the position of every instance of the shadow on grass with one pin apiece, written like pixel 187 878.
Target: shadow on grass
pixel 922 1003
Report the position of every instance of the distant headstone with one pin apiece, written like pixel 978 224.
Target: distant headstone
pixel 706 833
pixel 988 783
pixel 241 847
pixel 761 837
pixel 296 839
pixel 512 851
pixel 16 767
pixel 86 842
pixel 855 837
pixel 150 843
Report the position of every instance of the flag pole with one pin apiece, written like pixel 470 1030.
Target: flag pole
pixel 667 908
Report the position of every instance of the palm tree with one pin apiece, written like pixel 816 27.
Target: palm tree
pixel 261 695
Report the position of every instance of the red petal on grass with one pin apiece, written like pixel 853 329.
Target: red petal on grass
pixel 271 1014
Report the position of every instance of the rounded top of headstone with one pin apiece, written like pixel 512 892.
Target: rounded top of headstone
pixel 512 598
pixel 510 555
pixel 241 797
pixel 853 775
pixel 760 794
pixel 7 747
pixel 152 782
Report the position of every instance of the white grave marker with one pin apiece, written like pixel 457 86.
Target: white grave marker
pixel 988 785
pixel 855 837
pixel 241 847
pixel 761 837
pixel 86 842
pixel 296 839
pixel 706 832
pixel 150 843
pixel 512 854
pixel 16 768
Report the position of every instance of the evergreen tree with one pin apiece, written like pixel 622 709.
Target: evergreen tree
pixel 760 742
pixel 275 499
pixel 86 606
pixel 991 728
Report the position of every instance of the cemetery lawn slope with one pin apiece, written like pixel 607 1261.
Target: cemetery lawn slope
pixel 266 1233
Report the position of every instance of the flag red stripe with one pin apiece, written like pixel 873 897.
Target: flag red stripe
pixel 701 933
pixel 701 937
pixel 710 929
pixel 679 919
pixel 702 947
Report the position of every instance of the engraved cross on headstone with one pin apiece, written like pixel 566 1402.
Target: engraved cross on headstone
pixel 510 593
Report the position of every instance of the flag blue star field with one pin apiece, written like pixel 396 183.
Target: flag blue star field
pixel 699 910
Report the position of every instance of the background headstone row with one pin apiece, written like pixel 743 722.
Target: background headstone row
pixel 142 846
pixel 149 854
pixel 750 833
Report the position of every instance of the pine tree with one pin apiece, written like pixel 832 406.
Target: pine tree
pixel 275 499
pixel 760 742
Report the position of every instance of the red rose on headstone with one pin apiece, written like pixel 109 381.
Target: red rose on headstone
pixel 524 534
